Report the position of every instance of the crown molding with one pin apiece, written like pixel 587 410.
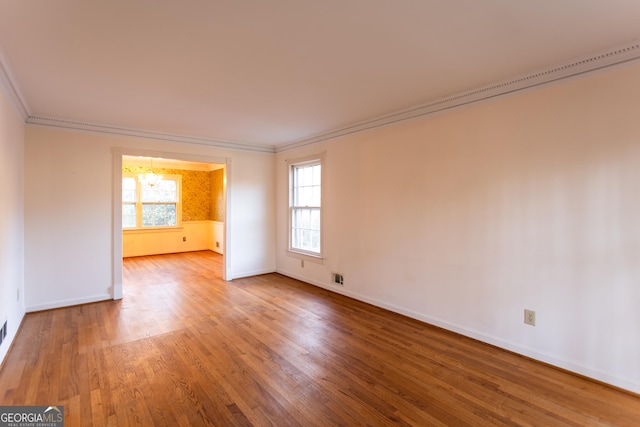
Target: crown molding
pixel 52 122
pixel 8 83
pixel 579 66
pixel 570 69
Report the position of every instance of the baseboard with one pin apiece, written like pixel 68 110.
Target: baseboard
pixel 250 273
pixel 166 252
pixel 68 303
pixel 549 359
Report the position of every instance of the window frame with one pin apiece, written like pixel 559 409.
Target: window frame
pixel 139 203
pixel 291 165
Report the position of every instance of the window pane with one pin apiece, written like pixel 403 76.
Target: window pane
pixel 164 191
pixel 315 196
pixel 315 220
pixel 128 215
pixel 158 214
pixel 171 218
pixel 306 186
pixel 315 241
pixel 306 240
pixel 149 213
pixel 304 196
pixel 129 189
pixel 303 219
pixel 295 238
pixel 299 176
pixel 308 175
pixel 306 229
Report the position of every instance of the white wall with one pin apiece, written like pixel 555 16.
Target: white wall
pixel 69 179
pixel 466 218
pixel 11 220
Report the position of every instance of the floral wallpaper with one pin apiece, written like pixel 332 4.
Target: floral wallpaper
pixel 202 192
pixel 217 195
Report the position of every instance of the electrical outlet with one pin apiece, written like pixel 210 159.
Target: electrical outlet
pixel 530 317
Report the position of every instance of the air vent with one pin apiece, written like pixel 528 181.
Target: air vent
pixel 3 332
pixel 338 279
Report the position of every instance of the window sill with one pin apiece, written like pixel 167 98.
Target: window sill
pixel 152 230
pixel 318 259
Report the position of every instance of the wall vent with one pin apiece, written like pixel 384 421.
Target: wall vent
pixel 338 279
pixel 3 332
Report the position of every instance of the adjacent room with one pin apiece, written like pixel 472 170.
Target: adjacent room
pixel 321 213
pixel 171 206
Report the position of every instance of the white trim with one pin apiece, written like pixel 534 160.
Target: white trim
pixel 227 274
pixel 116 258
pixel 116 239
pixel 69 302
pixel 251 273
pixel 8 82
pixel 579 66
pixel 53 122
pixel 471 333
pixel 598 61
pixel 312 159
pixel 157 229
pixel 305 257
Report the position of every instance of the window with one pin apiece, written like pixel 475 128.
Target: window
pixel 145 205
pixel 305 207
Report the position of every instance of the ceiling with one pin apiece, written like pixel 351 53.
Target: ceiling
pixel 270 74
pixel 158 162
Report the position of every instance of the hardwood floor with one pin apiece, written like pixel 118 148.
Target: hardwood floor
pixel 186 348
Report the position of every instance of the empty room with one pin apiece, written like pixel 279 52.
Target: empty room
pixel 320 213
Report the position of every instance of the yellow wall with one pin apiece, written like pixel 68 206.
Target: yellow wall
pixel 217 195
pixel 202 192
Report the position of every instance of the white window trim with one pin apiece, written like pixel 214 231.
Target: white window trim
pixel 138 203
pixel 301 161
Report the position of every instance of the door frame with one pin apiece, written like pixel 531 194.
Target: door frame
pixel 116 260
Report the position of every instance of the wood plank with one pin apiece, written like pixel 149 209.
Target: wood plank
pixel 186 348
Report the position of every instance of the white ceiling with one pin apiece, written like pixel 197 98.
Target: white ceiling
pixel 275 72
pixel 158 162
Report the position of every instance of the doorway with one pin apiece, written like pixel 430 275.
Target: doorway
pixel 136 160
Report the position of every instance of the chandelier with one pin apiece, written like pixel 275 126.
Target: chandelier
pixel 149 178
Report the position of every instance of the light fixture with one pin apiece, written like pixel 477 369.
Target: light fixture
pixel 149 178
